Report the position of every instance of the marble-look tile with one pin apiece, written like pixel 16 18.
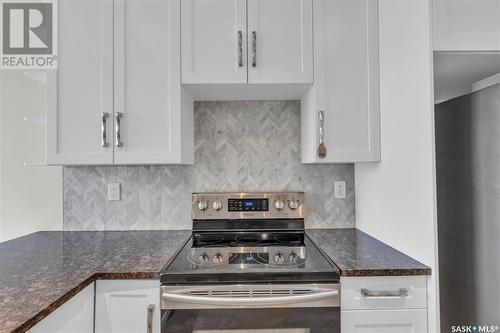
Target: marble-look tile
pixel 239 146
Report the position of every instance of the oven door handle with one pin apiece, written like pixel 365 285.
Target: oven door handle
pixel 248 301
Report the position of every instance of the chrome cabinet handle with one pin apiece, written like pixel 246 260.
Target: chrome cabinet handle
pixel 149 327
pixel 240 48
pixel 321 116
pixel 254 49
pixel 118 135
pixel 402 292
pixel 104 140
pixel 321 147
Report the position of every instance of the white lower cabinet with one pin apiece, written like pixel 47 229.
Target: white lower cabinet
pixel 368 305
pixel 75 316
pixel 390 304
pixel 127 306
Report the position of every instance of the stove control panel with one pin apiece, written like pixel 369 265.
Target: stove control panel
pixel 256 205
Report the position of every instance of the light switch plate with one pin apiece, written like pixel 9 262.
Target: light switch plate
pixel 114 192
pixel 339 189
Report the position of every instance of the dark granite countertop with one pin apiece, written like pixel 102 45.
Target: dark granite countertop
pixel 41 271
pixel 358 254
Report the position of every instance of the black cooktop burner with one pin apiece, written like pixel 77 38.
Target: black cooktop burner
pixel 288 238
pixel 210 239
pixel 249 257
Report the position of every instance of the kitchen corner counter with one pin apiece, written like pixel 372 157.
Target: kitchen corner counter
pixel 358 254
pixel 41 271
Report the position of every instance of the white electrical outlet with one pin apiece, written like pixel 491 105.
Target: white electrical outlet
pixel 114 191
pixel 339 189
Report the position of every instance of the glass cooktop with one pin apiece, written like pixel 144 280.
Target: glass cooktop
pixel 243 257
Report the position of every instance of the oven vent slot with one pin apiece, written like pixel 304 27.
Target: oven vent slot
pixel 301 291
pixel 250 292
pixel 199 292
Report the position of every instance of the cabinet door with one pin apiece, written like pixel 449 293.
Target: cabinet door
pixel 280 41
pixel 148 101
pixel 346 84
pixel 80 91
pixel 384 321
pixel 76 315
pixel 466 25
pixel 352 297
pixel 123 305
pixel 213 42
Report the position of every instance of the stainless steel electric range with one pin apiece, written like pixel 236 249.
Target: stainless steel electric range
pixel 249 267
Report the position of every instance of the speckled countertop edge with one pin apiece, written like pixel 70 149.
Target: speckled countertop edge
pixel 357 254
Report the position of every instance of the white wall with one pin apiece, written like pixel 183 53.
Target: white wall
pixel 30 197
pixel 395 199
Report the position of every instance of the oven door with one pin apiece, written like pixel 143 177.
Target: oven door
pixel 284 308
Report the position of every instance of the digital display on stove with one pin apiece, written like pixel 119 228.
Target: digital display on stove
pixel 245 205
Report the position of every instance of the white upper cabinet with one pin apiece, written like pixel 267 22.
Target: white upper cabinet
pixel 117 97
pixel 80 92
pixel 466 25
pixel 346 84
pixel 247 41
pixel 213 41
pixel 280 41
pixel 148 96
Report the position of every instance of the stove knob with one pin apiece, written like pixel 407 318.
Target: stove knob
pixel 278 258
pixel 278 204
pixel 218 258
pixel 293 258
pixel 293 204
pixel 202 205
pixel 203 258
pixel 217 205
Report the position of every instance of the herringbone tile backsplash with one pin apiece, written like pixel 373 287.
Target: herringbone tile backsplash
pixel 239 146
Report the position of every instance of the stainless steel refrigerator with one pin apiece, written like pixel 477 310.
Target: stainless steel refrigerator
pixel 468 199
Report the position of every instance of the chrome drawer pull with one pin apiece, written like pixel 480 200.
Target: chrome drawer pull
pixel 402 292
